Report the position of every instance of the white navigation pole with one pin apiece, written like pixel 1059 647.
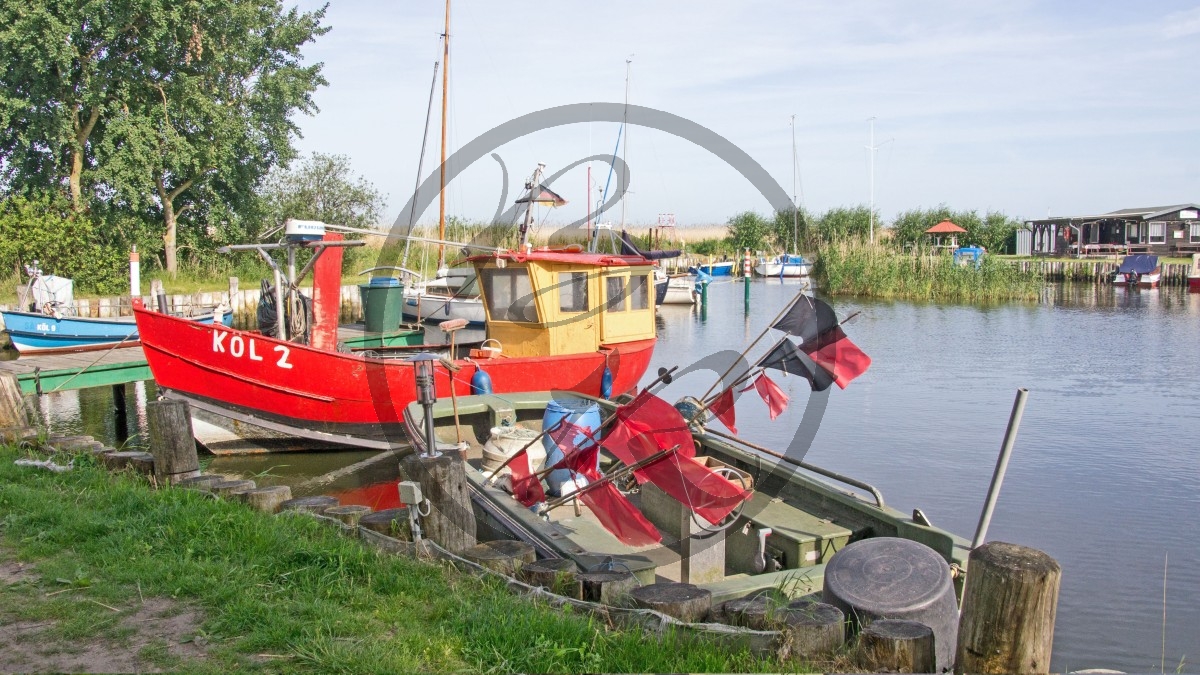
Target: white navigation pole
pixel 795 231
pixel 871 150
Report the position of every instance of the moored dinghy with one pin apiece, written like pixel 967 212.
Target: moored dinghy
pixel 1141 270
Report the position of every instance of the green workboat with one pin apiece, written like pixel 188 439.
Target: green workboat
pixel 793 519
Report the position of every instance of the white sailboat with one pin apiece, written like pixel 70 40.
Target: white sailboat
pixel 788 264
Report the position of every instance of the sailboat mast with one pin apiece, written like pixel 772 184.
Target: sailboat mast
pixel 442 190
pixel 624 148
pixel 795 235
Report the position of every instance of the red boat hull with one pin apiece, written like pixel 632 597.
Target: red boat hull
pixel 346 399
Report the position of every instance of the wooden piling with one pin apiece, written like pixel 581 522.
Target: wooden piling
pixel 451 520
pixel 317 504
pixel 1008 610
pixel 228 489
pixel 810 629
pixel 686 602
pixel 391 522
pixel 140 462
pixel 12 405
pixel 169 424
pixel 897 646
pixel 266 499
pixel 348 514
pixel 559 575
pixel 202 483
pixel 504 556
pixel 608 588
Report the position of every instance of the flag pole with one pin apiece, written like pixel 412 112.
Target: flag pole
pixel 664 376
pixel 756 370
pixel 610 477
pixel 752 344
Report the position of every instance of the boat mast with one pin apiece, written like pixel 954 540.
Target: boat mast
pixel 795 236
pixel 624 148
pixel 442 190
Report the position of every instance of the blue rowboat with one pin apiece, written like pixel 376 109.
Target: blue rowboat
pixel 37 332
pixel 721 269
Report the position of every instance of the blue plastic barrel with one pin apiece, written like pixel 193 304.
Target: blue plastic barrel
pixel 581 413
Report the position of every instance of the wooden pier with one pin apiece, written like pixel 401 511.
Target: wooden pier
pixel 1096 271
pixel 43 374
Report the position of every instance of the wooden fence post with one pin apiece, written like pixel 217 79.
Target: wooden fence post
pixel 1008 610
pixel 171 442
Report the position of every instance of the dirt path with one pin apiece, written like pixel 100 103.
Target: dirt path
pixel 41 631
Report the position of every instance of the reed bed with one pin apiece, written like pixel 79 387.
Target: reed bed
pixel 881 271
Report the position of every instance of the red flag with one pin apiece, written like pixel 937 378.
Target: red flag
pixel 648 425
pixel 525 486
pixel 771 394
pixel 611 508
pixel 723 409
pixel 834 352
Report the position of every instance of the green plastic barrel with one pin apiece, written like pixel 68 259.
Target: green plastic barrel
pixel 382 303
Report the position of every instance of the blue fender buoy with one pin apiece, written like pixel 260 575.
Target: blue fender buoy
pixel 606 383
pixel 481 382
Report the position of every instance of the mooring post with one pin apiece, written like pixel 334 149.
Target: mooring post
pixel 1008 610
pixel 897 646
pixel 169 423
pixel 121 424
pixel 446 515
pixel 703 300
pixel 12 405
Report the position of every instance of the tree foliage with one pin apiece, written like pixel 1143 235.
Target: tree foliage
pixel 748 230
pixel 325 188
pixel 991 231
pixel 168 111
pixel 47 230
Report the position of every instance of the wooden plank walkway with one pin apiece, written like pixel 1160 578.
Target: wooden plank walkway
pixel 43 374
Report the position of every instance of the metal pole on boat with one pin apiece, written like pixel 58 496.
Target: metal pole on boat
pixel 280 322
pixel 427 396
pixel 1010 437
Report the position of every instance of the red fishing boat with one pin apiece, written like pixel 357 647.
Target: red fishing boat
pixel 556 318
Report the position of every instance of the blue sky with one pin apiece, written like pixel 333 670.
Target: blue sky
pixel 1024 107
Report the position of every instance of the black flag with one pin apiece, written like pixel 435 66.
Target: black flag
pixel 786 357
pixel 807 319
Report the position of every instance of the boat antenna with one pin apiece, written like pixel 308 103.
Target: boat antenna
pixel 412 215
pixel 871 150
pixel 442 190
pixel 534 183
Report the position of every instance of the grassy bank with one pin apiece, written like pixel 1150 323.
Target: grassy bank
pixel 87 560
pixel 881 271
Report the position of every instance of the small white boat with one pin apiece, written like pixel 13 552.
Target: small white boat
pixel 783 265
pixel 1140 270
pixel 677 289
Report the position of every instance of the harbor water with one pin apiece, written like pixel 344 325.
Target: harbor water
pixel 1105 475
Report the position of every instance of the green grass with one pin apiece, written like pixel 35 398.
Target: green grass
pixel 289 587
pixel 881 271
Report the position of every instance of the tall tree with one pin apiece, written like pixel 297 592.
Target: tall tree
pixel 323 187
pixel 187 104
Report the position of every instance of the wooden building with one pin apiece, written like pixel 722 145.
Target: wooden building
pixel 1160 230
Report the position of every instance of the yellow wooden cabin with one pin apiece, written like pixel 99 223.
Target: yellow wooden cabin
pixel 553 302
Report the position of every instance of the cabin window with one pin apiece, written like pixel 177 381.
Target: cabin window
pixel 509 295
pixel 572 291
pixel 1194 234
pixel 1158 232
pixel 615 294
pixel 1131 233
pixel 639 292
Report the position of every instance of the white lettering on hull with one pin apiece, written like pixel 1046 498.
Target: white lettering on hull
pixel 240 347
